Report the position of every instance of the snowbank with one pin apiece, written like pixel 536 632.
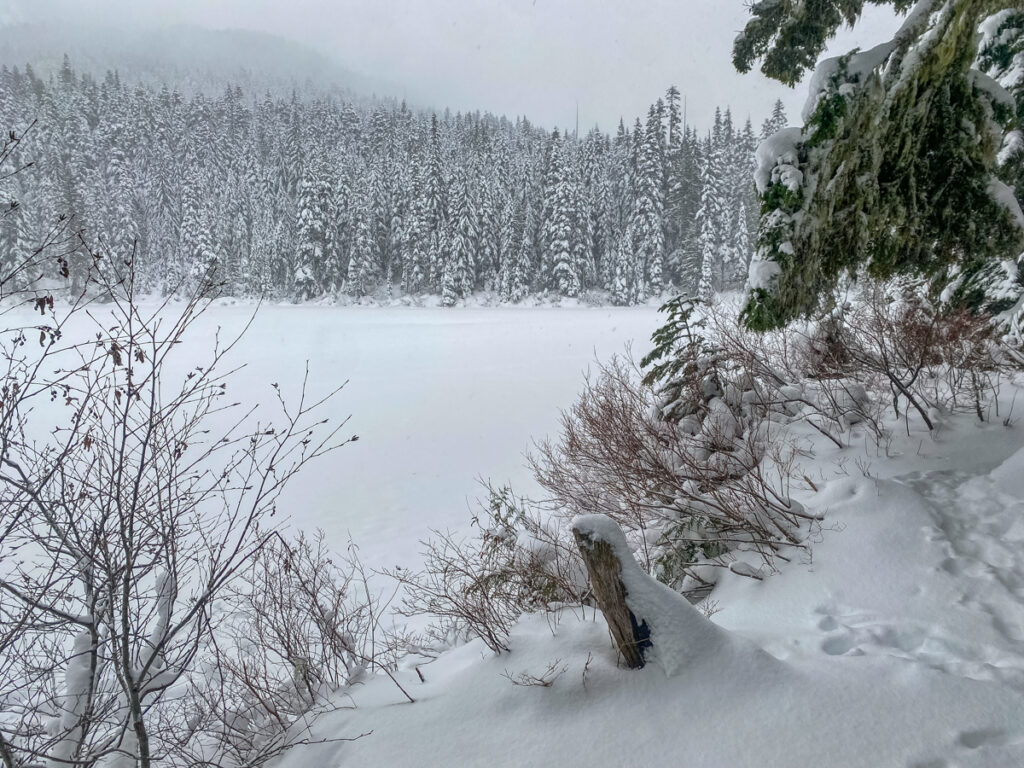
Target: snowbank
pixel 899 643
pixel 680 635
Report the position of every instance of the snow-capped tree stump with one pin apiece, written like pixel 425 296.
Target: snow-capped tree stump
pixel 650 622
pixel 631 634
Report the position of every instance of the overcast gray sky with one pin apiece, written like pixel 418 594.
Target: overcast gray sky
pixel 534 57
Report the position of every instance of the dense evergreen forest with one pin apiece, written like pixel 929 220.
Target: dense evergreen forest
pixel 306 197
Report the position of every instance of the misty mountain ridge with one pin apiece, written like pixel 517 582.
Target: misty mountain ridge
pixel 188 58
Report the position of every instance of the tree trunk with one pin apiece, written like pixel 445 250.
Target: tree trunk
pixel 631 637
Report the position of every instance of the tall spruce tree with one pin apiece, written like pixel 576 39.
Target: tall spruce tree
pixel 316 261
pixel 649 205
pixel 560 231
pixel 895 170
pixel 457 281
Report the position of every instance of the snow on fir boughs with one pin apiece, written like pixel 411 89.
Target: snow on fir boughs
pixel 897 169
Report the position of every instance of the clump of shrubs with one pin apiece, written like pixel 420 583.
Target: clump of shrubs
pixel 693 451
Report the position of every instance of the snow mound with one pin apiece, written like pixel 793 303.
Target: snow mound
pixel 680 634
pixel 1008 477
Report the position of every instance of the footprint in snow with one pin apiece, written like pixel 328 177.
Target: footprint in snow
pixel 839 645
pixel 991 737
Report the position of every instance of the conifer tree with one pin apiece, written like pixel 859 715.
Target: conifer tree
pixel 1001 57
pixel 15 246
pixel 513 278
pixel 867 184
pixel 559 230
pixel 436 205
pixel 199 259
pixel 317 258
pixel 713 214
pixel 457 282
pixel 415 241
pixel 363 265
pixel 625 291
pixel 648 211
pixel 774 122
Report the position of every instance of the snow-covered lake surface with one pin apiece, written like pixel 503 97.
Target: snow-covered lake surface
pixel 438 397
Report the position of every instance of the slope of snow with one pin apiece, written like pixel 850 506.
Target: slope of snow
pixel 680 637
pixel 898 642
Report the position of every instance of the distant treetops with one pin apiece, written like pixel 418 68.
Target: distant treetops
pixel 307 197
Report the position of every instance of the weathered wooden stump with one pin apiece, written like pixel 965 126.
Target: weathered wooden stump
pixel 632 636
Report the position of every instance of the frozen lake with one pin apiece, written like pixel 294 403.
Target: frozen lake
pixel 437 397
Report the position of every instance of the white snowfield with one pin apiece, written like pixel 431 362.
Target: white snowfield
pixel 438 397
pixel 899 642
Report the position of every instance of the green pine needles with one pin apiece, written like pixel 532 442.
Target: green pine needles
pixel 788 36
pixel 897 170
pixel 680 359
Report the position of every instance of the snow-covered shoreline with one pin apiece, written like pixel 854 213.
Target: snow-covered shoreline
pixel 897 643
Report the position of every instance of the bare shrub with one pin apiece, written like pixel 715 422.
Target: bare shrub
pixel 887 348
pixel 298 630
pixel 802 374
pixel 689 493
pixel 519 561
pixel 937 358
pixel 932 358
pixel 124 521
pixel 543 679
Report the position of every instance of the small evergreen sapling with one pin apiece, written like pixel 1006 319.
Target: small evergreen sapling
pixel 681 367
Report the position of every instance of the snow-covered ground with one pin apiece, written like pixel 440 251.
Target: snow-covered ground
pixel 898 642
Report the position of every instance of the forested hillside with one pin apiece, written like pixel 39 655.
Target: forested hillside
pixel 297 198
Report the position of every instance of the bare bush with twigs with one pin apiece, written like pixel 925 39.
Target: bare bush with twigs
pixel 299 630
pixel 929 357
pixel 519 561
pixel 691 494
pixel 126 514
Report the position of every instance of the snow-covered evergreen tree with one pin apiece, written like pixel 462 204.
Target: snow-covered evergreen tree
pixel 559 230
pixel 713 214
pixel 363 265
pixel 774 122
pixel 457 281
pixel 316 266
pixel 866 185
pixel 649 205
pixel 305 195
